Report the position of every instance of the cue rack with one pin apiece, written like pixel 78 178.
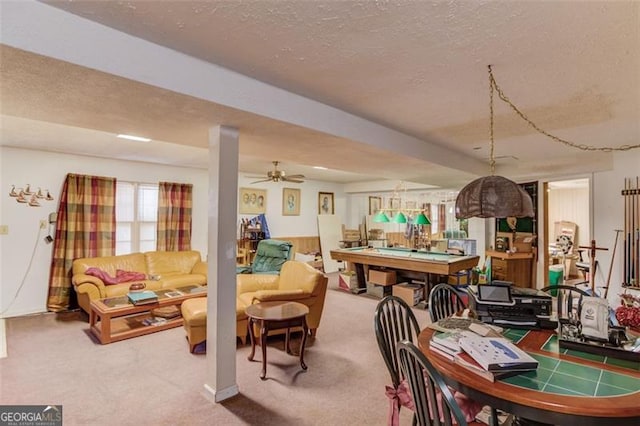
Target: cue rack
pixel 631 195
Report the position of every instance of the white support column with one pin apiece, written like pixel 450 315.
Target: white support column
pixel 221 302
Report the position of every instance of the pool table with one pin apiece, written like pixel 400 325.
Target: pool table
pixel 403 260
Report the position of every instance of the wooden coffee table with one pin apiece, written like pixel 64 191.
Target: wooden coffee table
pixel 116 318
pixel 275 316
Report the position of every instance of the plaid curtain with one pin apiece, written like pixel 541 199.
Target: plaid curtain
pixel 86 227
pixel 174 216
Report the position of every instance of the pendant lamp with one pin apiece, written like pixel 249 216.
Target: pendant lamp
pixel 381 217
pixel 493 196
pixel 400 218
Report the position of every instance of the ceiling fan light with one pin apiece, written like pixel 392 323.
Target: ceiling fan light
pixel 493 196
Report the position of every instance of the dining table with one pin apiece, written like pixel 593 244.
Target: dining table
pixel 568 387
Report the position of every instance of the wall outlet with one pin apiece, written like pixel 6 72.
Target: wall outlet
pixel 4 229
pixel 43 224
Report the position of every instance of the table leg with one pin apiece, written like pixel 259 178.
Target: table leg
pixel 305 331
pixel 362 279
pixel 287 341
pixel 263 344
pixel 252 337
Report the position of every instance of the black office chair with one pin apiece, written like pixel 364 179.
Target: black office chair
pixel 444 301
pixel 393 322
pixel 425 383
pixel 568 301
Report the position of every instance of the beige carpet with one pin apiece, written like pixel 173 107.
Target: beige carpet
pixel 154 380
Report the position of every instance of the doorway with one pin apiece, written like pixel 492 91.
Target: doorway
pixel 567 227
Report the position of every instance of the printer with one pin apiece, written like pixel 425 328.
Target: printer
pixel 503 304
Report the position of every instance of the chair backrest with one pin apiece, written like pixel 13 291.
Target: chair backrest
pixel 568 300
pixel 394 321
pixel 270 256
pixel 444 301
pixel 425 383
pixel 299 275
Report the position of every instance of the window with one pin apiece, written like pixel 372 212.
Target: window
pixel 136 217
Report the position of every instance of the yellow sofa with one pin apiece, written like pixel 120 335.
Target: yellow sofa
pixel 169 269
pixel 297 282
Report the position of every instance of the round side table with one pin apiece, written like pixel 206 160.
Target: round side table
pixel 275 316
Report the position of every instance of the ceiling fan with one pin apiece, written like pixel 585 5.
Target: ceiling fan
pixel 276 175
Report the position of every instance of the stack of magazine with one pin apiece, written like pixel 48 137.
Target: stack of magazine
pixel 143 297
pixel 487 356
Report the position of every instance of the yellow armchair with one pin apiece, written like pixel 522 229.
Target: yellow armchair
pixel 297 281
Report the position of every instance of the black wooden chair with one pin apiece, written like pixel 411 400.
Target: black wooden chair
pixel 425 384
pixel 568 301
pixel 444 301
pixel 393 322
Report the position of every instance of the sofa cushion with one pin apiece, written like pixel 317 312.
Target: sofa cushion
pixel 175 281
pixel 121 276
pixel 167 263
pixel 110 264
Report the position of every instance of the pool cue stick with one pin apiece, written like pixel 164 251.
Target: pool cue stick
pixel 613 256
pixel 637 231
pixel 627 258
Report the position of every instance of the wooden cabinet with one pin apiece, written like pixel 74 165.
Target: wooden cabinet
pixel 514 267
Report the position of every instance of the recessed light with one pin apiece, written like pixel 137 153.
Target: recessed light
pixel 320 168
pixel 134 138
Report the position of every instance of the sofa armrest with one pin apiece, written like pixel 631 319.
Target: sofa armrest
pixel 200 268
pixel 255 282
pixel 89 284
pixel 279 295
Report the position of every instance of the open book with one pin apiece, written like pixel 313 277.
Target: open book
pixel 496 353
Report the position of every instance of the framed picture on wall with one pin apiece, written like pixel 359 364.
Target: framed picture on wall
pixel 325 203
pixel 375 203
pixel 394 203
pixel 290 202
pixel 252 201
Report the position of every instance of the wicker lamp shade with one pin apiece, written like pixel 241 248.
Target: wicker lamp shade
pixel 493 196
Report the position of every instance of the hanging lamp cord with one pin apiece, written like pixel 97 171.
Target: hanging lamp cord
pixel 503 97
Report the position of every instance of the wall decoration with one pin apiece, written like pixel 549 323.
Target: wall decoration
pixel 290 202
pixel 30 197
pixel 252 201
pixel 394 203
pixel 375 203
pixel 325 203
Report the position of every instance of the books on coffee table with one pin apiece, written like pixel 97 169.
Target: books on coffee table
pixel 143 297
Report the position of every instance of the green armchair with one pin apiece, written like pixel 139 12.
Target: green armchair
pixel 269 258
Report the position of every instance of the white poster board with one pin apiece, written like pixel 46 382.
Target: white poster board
pixel 330 233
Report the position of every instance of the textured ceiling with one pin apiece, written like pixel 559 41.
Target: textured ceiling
pixel 416 67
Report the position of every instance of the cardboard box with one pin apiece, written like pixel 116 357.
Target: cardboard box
pixel 348 281
pixel 381 277
pixel 378 291
pixel 459 278
pixel 409 292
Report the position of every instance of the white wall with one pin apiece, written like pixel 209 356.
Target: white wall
pixel 25 258
pixel 296 226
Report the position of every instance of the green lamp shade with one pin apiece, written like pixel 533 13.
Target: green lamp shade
pixel 421 219
pixel 400 218
pixel 380 217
